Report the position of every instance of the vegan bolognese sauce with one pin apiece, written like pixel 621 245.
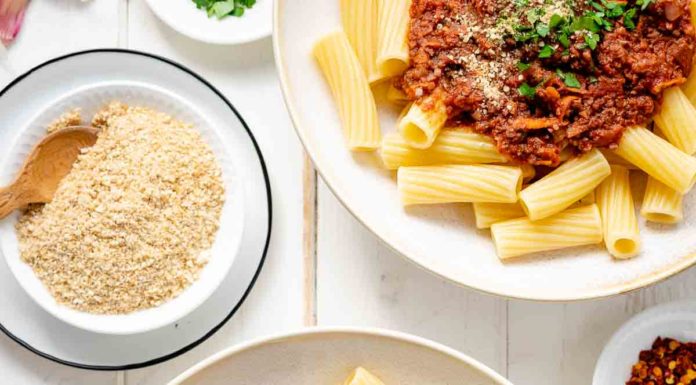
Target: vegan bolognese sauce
pixel 546 76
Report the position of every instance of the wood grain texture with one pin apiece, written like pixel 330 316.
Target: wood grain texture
pixel 361 282
pixel 309 238
pixel 247 77
pixel 54 28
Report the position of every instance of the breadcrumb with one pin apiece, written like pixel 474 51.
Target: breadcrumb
pixel 130 226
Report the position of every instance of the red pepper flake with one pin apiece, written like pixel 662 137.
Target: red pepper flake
pixel 669 362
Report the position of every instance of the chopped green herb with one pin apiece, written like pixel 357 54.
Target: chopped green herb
pixel 523 66
pixel 526 90
pixel 568 78
pixel 224 8
pixel 591 39
pixel 546 51
pixel 628 21
pixel 643 4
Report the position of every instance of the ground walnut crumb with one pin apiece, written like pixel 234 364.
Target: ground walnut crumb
pixel 130 226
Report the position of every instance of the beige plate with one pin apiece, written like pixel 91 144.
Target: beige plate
pixel 325 356
pixel 443 239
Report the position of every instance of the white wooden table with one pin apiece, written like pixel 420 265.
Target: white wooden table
pixel 323 267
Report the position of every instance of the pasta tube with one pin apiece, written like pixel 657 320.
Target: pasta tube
pixel 661 203
pixel 361 376
pixel 359 19
pixel 588 199
pixel 619 222
pixel 396 96
pixel 565 185
pixel 458 183
pixel 392 48
pixel 489 213
pixel 356 105
pixel 658 158
pixel 420 126
pixel 574 227
pixel 528 171
pixel 612 158
pixel 677 120
pixel 450 147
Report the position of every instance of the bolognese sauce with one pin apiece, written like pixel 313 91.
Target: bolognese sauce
pixel 544 76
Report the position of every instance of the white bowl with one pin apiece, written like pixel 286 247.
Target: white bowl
pixel 675 320
pixel 327 355
pixel 185 18
pixel 443 238
pixel 90 99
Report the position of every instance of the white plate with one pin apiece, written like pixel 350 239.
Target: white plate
pixel 23 320
pixel 90 99
pixel 444 239
pixel 674 320
pixel 327 356
pixel 185 18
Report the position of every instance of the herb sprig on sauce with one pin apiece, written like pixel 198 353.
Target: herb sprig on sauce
pixel 560 29
pixel 224 8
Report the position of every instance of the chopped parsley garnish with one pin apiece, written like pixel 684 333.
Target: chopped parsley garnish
pixel 526 90
pixel 568 78
pixel 224 8
pixel 546 51
pixel 522 66
pixel 628 19
pixel 589 25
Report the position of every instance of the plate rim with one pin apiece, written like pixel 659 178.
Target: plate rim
pixel 269 202
pixel 645 280
pixel 310 331
pixel 267 31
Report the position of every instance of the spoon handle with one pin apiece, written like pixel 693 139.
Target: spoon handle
pixel 8 201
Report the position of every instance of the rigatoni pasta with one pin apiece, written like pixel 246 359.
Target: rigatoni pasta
pixel 619 222
pixel 396 95
pixel 570 228
pixel 452 146
pixel 356 104
pixel 612 158
pixel 658 158
pixel 677 120
pixel 360 18
pixel 661 204
pixel 487 214
pixel 421 125
pixel 458 183
pixel 565 185
pixel 563 138
pixel 392 49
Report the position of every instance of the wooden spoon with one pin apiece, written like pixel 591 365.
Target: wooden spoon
pixel 48 163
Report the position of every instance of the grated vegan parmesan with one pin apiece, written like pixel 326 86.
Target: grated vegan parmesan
pixel 129 227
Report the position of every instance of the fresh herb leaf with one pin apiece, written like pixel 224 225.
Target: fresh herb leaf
pixel 643 4
pixel 526 90
pixel 591 39
pixel 521 66
pixel 542 29
pixel 568 78
pixel 224 8
pixel 546 51
pixel 628 21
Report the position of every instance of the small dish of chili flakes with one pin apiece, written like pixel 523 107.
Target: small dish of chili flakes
pixel 668 362
pixel 655 347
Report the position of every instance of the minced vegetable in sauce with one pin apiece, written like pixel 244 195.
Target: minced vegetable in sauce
pixel 543 76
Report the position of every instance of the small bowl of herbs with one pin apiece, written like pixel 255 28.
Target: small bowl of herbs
pixel 217 21
pixel 223 8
